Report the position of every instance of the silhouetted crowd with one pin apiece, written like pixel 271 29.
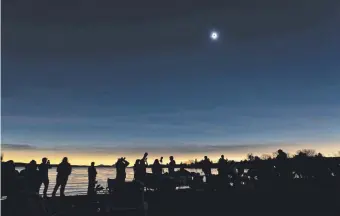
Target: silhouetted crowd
pixel 253 173
pixel 32 177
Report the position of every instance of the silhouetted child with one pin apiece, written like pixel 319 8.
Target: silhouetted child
pixel 64 169
pixel 43 172
pixel 92 174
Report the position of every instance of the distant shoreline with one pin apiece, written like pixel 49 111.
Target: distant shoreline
pixel 191 166
pixel 75 166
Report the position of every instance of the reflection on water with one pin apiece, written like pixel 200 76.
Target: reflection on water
pixel 77 183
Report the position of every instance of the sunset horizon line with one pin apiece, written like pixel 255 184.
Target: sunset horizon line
pixel 109 158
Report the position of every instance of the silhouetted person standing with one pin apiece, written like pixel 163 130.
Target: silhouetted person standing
pixel 206 166
pixel 282 165
pixel 64 169
pixel 172 165
pixel 140 168
pixel 121 169
pixel 31 177
pixel 9 177
pixel 143 165
pixel 92 174
pixel 157 168
pixel 281 155
pixel 43 172
pixel 136 170
pixel 222 166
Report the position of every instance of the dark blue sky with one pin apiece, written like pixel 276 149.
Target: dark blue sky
pixel 147 74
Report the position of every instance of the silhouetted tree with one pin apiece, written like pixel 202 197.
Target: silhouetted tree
pixel 306 153
pixel 319 155
pixel 257 158
pixel 266 157
pixel 190 162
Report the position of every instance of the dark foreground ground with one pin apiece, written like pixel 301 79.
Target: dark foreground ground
pixel 288 202
pixel 284 202
pixel 246 203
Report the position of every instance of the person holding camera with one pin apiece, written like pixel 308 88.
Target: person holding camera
pixel 121 165
pixel 43 172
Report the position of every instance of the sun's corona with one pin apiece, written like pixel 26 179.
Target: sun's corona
pixel 214 35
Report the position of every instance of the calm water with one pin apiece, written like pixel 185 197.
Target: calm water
pixel 77 183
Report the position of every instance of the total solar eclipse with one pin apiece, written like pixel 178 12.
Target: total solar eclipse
pixel 214 35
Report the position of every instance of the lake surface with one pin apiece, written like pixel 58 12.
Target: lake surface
pixel 77 182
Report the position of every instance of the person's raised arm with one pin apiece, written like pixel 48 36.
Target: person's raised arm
pixel 49 164
pixel 145 156
pixel 117 163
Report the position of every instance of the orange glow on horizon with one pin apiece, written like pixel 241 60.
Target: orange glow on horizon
pixel 85 157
